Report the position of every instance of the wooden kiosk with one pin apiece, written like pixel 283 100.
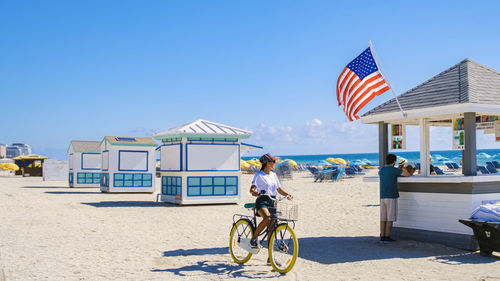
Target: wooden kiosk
pixel 430 205
pixel 200 163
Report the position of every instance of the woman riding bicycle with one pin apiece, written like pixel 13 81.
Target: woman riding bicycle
pixel 265 182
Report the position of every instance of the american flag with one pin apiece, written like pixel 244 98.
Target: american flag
pixel 359 83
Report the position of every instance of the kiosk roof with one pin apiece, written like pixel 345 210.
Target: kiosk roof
pixel 203 128
pixel 467 87
pixel 85 146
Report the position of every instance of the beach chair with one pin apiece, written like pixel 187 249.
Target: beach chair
pixel 417 166
pixel 314 171
pixel 350 172
pixel 339 174
pixel 482 169
pixel 455 165
pixel 438 170
pixel 450 166
pixel 496 164
pixel 357 168
pixel 491 168
pixel 324 175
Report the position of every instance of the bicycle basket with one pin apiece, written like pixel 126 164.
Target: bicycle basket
pixel 287 211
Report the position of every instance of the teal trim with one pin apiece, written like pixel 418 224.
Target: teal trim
pixel 213 139
pixel 104 179
pixel 160 137
pixel 133 144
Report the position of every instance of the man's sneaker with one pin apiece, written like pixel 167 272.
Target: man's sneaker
pixel 253 243
pixel 382 240
pixel 389 239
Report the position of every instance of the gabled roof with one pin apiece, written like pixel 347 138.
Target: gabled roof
pixel 85 146
pixel 130 141
pixel 203 128
pixel 465 82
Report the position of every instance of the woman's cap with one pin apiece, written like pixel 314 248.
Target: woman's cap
pixel 266 158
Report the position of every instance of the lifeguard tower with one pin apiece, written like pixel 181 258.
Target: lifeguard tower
pixel 200 163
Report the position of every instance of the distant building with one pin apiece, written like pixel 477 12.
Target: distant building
pixel 13 151
pixel 3 151
pixel 25 149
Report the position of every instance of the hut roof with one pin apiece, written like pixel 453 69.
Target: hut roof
pixel 29 157
pixel 467 82
pixel 203 128
pixel 130 141
pixel 85 146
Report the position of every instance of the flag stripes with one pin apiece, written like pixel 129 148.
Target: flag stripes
pixel 358 84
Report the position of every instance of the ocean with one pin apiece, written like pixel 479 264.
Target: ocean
pixel 438 157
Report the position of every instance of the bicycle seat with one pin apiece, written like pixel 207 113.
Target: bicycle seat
pixel 250 205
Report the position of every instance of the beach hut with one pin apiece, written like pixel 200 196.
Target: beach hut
pixel 465 98
pixel 84 163
pixel 128 164
pixel 200 163
pixel 55 170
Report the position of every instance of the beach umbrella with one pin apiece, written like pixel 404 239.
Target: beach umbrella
pixel 293 163
pixel 336 161
pixel 244 165
pixel 323 163
pixel 255 163
pixel 483 156
pixel 495 157
pixel 9 167
pixel 358 162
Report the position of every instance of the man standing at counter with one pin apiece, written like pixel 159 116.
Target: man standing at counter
pixel 389 195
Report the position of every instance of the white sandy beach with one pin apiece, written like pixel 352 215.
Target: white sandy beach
pixel 51 232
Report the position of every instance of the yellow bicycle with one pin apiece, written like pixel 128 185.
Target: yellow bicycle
pixel 283 246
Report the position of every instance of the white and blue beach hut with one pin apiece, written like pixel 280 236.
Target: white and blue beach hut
pixel 128 164
pixel 84 162
pixel 200 163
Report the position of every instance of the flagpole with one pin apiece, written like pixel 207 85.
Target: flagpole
pixel 385 76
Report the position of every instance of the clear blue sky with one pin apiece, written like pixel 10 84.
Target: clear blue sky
pixel 79 70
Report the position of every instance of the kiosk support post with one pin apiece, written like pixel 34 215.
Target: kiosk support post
pixel 469 155
pixel 383 143
pixel 425 164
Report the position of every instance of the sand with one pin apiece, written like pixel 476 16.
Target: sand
pixel 51 232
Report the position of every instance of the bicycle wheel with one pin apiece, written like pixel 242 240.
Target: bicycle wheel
pixel 243 228
pixel 283 248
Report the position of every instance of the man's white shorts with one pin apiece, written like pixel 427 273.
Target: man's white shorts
pixel 388 209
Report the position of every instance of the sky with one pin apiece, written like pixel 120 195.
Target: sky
pixel 80 70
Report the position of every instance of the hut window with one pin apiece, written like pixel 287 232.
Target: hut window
pixel 212 186
pixel 171 185
pixel 132 180
pixel 88 178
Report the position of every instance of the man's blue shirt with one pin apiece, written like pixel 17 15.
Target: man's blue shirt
pixel 389 181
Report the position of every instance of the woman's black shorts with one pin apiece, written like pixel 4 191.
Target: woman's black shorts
pixel 264 202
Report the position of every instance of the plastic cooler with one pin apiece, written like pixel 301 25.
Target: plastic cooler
pixel 487 235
